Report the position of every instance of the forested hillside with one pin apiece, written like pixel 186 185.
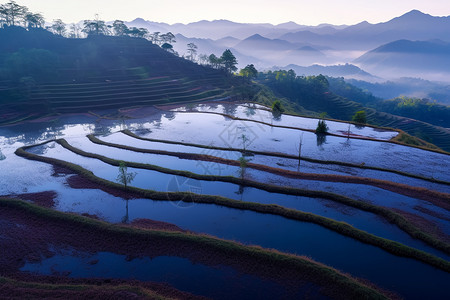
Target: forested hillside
pixel 313 93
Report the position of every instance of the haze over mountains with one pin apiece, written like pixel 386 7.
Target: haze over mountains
pixel 412 45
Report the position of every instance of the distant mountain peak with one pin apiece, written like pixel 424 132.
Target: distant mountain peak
pixel 415 12
pixel 256 37
pixel 288 23
pixel 308 48
pixel 140 20
pixel 363 23
pixel 414 15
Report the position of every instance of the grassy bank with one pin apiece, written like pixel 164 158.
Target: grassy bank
pixel 340 227
pixel 437 198
pixel 18 289
pixel 402 138
pixel 295 157
pixel 319 273
pixel 389 215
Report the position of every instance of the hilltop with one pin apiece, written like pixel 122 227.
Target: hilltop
pixel 46 73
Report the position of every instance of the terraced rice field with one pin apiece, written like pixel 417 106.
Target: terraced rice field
pixel 354 202
pixel 344 109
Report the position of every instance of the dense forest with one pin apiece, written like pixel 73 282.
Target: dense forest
pixel 416 108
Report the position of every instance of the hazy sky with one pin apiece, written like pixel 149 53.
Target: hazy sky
pixel 305 12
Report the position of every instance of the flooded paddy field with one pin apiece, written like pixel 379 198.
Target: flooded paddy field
pixel 209 130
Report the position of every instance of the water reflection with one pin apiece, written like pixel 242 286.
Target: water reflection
pixel 250 111
pixel 230 110
pixel 126 218
pixel 321 139
pixel 170 115
pixel 276 115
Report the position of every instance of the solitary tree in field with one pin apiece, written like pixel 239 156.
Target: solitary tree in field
pixel 277 110
pixel 322 128
pixel 360 117
pixel 124 177
pixel 277 107
pixel 244 139
pixel 243 164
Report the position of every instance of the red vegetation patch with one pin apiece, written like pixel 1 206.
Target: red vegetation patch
pixel 80 182
pixel 60 171
pixel 431 213
pixel 155 225
pixel 425 225
pixel 34 287
pixel 139 112
pixel 95 217
pixel 45 199
pixel 345 133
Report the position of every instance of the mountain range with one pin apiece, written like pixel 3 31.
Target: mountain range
pixel 414 44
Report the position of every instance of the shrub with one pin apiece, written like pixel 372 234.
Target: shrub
pixel 322 127
pixel 360 117
pixel 277 107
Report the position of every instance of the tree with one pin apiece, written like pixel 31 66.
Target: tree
pixel 192 51
pixel 119 28
pixel 12 13
pixel 59 27
pixel 229 61
pixel 322 128
pixel 168 47
pixel 137 32
pixel 75 31
pixel 124 177
pixel 249 71
pixel 34 20
pixel 243 164
pixel 277 108
pixel 168 38
pixel 360 117
pixel 95 27
pixel 154 37
pixel 244 139
pixel 215 61
pixel 203 59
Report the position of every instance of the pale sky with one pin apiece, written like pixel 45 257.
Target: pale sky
pixel 304 12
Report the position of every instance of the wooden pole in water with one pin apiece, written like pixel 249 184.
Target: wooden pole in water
pixel 300 151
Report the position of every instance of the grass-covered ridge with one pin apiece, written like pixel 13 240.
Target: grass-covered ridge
pixel 340 227
pixel 283 155
pixel 389 215
pixel 85 289
pixel 42 73
pixel 320 273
